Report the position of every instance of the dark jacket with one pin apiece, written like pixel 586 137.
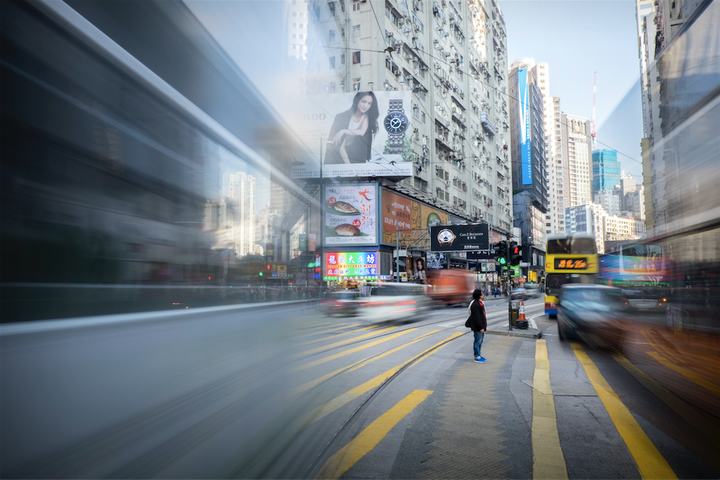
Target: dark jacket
pixel 360 149
pixel 478 320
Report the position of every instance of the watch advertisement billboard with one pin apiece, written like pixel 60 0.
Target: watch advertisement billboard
pixel 350 214
pixel 448 238
pixel 357 134
pixel 351 266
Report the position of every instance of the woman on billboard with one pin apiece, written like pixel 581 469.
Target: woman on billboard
pixel 351 134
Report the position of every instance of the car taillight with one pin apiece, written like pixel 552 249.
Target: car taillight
pixel 661 302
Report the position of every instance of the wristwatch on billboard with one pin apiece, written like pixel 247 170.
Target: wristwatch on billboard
pixel 396 123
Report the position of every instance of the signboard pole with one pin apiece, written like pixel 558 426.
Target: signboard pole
pixel 397 250
pixel 322 220
pixel 509 287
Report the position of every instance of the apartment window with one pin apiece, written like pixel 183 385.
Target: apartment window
pixel 294 14
pixel 356 31
pixel 294 25
pixel 422 117
pixel 356 58
pixel 342 59
pixel 301 14
pixel 294 47
pixel 331 6
pixel 302 36
pixel 294 36
pixel 416 111
pixel 301 25
pixel 356 5
pixel 356 84
pixel 332 62
pixel 331 36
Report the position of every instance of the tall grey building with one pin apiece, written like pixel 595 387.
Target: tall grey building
pixel 530 182
pixel 452 56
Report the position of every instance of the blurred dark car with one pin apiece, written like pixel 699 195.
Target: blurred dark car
pixel 591 313
pixel 519 294
pixel 341 304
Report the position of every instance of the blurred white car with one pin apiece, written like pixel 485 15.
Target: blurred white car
pixel 394 301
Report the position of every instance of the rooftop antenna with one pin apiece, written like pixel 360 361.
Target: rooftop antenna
pixel 594 139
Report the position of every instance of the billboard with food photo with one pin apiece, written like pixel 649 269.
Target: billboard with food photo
pixel 350 214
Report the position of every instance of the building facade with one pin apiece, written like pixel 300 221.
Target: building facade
pixel 452 57
pixel 606 170
pixel 238 191
pixel 530 182
pixel 576 150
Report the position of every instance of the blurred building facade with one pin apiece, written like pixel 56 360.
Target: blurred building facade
pixel 592 218
pixel 678 51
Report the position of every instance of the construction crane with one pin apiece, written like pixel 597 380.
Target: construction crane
pixel 594 139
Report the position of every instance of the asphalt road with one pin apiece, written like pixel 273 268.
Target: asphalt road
pixel 283 392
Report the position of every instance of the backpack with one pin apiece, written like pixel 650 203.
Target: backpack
pixel 467 322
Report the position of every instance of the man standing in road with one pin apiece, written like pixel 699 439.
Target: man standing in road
pixel 478 323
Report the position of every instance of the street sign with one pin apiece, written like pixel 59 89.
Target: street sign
pixel 524 264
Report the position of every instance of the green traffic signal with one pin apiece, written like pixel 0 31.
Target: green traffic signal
pixel 502 260
pixel 260 274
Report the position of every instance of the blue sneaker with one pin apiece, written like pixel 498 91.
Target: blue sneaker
pixel 480 360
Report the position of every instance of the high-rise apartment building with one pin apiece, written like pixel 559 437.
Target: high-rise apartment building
pixel 606 170
pixel 576 150
pixel 557 170
pixel 452 56
pixel 238 189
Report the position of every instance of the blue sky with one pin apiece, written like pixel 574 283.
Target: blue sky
pixel 577 38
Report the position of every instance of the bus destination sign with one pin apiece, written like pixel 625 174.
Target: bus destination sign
pixel 575 263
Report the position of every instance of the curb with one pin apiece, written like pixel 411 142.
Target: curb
pixel 529 333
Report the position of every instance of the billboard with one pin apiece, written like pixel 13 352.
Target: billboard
pixel 350 214
pixel 358 134
pixel 448 238
pixel 525 146
pixel 403 210
pixel 351 266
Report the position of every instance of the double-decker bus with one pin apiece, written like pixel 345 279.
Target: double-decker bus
pixel 569 258
pixel 641 271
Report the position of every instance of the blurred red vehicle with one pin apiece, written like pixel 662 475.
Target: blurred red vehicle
pixel 450 287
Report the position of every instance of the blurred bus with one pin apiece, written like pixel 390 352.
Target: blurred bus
pixel 642 272
pixel 570 258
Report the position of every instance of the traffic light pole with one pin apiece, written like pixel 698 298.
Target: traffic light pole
pixel 510 325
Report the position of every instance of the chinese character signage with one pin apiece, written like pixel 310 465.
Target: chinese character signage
pixel 574 263
pixel 351 214
pixel 351 265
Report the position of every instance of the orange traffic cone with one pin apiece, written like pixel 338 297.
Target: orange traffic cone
pixel 522 311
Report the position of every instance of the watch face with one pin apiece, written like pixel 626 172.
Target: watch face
pixel 396 123
pixel 445 236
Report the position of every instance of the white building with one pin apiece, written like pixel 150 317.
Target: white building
pixel 238 189
pixel 577 152
pixel 592 218
pixel 609 200
pixel 452 56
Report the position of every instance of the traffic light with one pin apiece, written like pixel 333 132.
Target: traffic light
pixel 502 253
pixel 515 254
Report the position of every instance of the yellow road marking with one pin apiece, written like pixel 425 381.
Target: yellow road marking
pixel 343 342
pixel 356 365
pixel 327 331
pixel 368 439
pixel 701 422
pixel 687 373
pixel 309 342
pixel 352 350
pixel 650 462
pixel 548 457
pixel 329 407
